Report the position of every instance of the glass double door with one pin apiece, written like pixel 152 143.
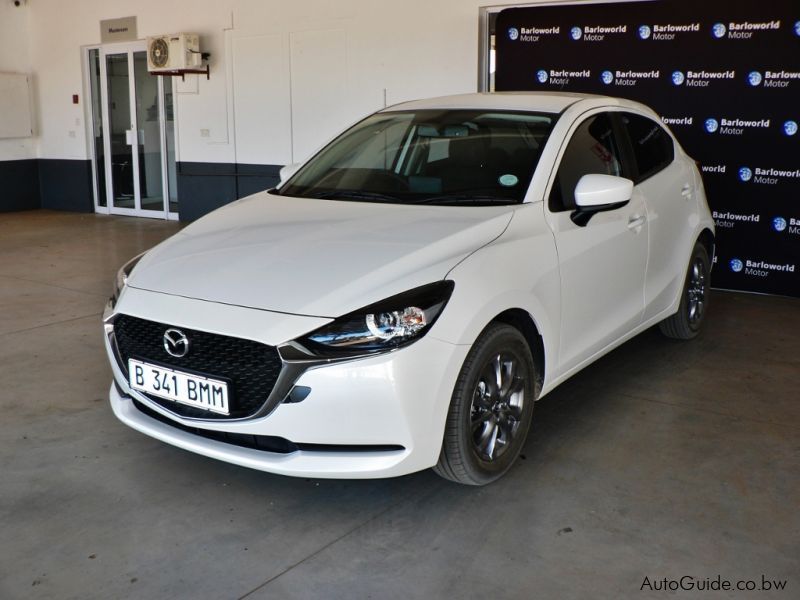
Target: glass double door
pixel 134 134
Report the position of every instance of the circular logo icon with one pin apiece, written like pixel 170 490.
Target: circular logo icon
pixel 719 30
pixel 712 125
pixel 176 343
pixel 779 224
pixel 736 265
pixel 607 77
pixel 541 76
pixel 745 174
pixel 513 34
pixel 576 33
pixel 644 32
pixel 678 78
pixel 797 29
pixel 790 128
pixel 754 78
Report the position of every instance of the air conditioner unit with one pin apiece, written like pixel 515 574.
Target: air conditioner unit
pixel 173 52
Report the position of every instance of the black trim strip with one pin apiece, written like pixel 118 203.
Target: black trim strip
pixel 265 443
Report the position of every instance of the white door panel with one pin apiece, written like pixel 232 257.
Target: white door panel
pixel 603 264
pixel 602 273
pixel 670 202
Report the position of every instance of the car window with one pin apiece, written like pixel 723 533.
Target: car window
pixel 653 147
pixel 453 157
pixel 377 152
pixel 592 149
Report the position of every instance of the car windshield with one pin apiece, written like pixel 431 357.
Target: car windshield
pixel 445 157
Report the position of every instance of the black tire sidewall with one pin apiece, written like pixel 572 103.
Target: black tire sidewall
pixel 493 340
pixel 698 252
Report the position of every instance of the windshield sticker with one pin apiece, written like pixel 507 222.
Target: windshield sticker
pixel 508 180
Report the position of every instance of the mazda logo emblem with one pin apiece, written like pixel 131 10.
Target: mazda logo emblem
pixel 176 343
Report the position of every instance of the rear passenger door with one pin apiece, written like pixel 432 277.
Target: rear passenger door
pixel 666 183
pixel 602 264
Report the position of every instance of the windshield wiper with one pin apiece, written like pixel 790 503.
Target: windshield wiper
pixel 466 199
pixel 356 195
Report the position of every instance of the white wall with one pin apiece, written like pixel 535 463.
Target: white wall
pixel 285 74
pixel 15 58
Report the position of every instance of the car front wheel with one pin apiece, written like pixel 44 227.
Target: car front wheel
pixel 491 408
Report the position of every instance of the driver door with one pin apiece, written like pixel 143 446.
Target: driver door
pixel 602 264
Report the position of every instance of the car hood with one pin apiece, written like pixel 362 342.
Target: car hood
pixel 315 257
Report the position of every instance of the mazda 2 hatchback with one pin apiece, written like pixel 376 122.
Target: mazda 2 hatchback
pixel 403 298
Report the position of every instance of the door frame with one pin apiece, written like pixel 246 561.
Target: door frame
pixel 128 48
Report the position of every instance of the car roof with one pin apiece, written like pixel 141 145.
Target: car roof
pixel 548 102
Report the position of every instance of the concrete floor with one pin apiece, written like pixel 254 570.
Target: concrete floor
pixel 663 459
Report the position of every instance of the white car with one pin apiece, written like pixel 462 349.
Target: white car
pixel 401 300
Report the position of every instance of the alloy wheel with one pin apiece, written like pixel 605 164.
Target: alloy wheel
pixel 696 292
pixel 497 405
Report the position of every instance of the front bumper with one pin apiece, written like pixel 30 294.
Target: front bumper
pixel 356 409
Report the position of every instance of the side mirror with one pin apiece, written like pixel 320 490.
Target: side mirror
pixel 287 171
pixel 598 193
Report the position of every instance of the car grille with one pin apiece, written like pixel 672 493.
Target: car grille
pixel 251 368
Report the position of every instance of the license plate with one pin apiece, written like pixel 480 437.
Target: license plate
pixel 193 390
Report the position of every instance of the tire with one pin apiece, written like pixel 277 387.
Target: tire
pixel 687 322
pixel 501 414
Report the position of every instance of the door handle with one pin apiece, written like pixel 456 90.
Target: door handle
pixel 686 192
pixel 635 223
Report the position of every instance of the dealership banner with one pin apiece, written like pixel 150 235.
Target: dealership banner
pixel 724 75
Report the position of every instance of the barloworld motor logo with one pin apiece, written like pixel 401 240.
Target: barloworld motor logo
pixel 678 78
pixel 729 220
pixel 627 78
pixel 561 77
pixel 759 268
pixel 754 78
pixel 644 32
pixel 576 33
pixel 719 30
pixel 790 128
pixel 779 224
pixel 767 176
pixel 702 79
pixel 531 34
pixel 728 126
pixel 797 29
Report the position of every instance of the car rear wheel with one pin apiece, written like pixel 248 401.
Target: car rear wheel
pixel 491 408
pixel 686 323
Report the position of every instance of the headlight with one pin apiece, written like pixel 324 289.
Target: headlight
pixel 382 326
pixel 121 279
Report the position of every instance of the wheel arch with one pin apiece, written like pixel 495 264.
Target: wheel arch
pixel 523 321
pixel 706 238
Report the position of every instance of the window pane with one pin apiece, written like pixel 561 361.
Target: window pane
pixel 150 182
pixel 119 117
pixel 593 149
pixel 652 146
pixel 441 156
pixel 97 127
